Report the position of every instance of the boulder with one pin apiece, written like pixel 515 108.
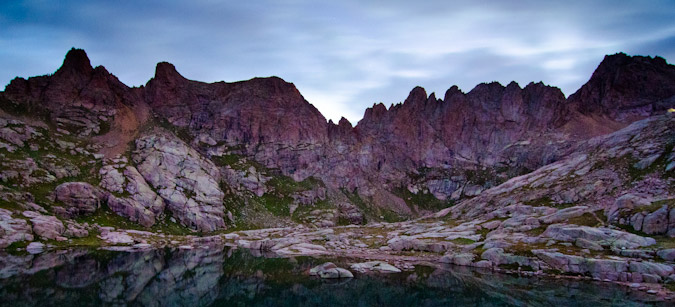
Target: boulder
pixel 304 249
pixel 625 203
pixel 656 222
pixel 350 213
pixel 458 259
pixel 583 243
pixel 377 266
pixel 75 230
pixel 116 237
pixel 13 229
pixel 78 198
pixel 35 247
pixel 667 254
pixel 330 271
pixel 602 236
pixel 660 269
pixel 404 243
pixel 46 227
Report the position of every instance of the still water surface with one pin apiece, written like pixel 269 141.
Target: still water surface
pixel 231 277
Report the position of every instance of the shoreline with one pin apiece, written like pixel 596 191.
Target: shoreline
pixel 297 241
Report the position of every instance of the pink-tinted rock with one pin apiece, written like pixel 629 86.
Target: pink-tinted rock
pixel 78 198
pixel 45 226
pixel 13 229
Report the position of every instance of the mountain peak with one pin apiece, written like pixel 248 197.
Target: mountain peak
pixel 624 86
pixel 76 61
pixel 417 96
pixel 167 71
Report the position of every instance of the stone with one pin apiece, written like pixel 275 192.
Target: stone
pixel 598 268
pixel 602 236
pixel 627 202
pixel 667 254
pixel 656 222
pixel 646 162
pixel 564 214
pixel 142 204
pixel 404 243
pixel 344 273
pixel 492 224
pixel 78 198
pixel 305 249
pixel 35 248
pixel 326 266
pixel 378 266
pixel 463 259
pixel 13 229
pixel 186 181
pixel 330 271
pixel 351 213
pixel 583 243
pixel 663 270
pixel 75 230
pixel 45 226
pixel 116 237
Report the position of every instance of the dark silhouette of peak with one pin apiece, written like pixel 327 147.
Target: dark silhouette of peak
pixel 166 71
pixel 624 86
pixel 77 62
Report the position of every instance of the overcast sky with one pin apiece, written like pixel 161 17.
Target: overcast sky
pixel 342 55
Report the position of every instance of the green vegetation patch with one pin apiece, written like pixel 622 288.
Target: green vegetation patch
pixel 372 212
pixel 106 217
pixel 182 133
pixel 423 199
pixel 462 241
pixel 587 219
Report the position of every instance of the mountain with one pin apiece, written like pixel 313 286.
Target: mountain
pixel 182 153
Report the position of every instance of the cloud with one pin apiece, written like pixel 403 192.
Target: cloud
pixel 342 55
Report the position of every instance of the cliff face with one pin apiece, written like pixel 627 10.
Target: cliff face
pixel 76 98
pixel 267 141
pixel 263 117
pixel 624 88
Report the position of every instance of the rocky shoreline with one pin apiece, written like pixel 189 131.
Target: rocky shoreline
pixel 403 245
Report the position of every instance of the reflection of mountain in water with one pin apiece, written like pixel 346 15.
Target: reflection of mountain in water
pixel 230 277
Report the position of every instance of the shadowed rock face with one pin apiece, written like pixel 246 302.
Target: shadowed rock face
pixel 625 87
pixel 257 111
pixel 268 116
pixel 472 127
pixel 77 98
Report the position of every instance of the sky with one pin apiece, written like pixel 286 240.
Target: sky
pixel 345 55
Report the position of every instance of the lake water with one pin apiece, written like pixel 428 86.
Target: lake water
pixel 232 277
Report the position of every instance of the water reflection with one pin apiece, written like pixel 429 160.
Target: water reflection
pixel 224 276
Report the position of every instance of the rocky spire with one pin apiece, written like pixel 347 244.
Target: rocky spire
pixel 76 62
pixel 166 71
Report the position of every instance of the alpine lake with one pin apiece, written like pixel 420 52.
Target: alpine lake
pixel 227 276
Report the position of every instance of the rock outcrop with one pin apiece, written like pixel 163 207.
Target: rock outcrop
pixel 13 229
pixel 78 199
pixel 130 195
pixel 186 181
pixel 77 98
